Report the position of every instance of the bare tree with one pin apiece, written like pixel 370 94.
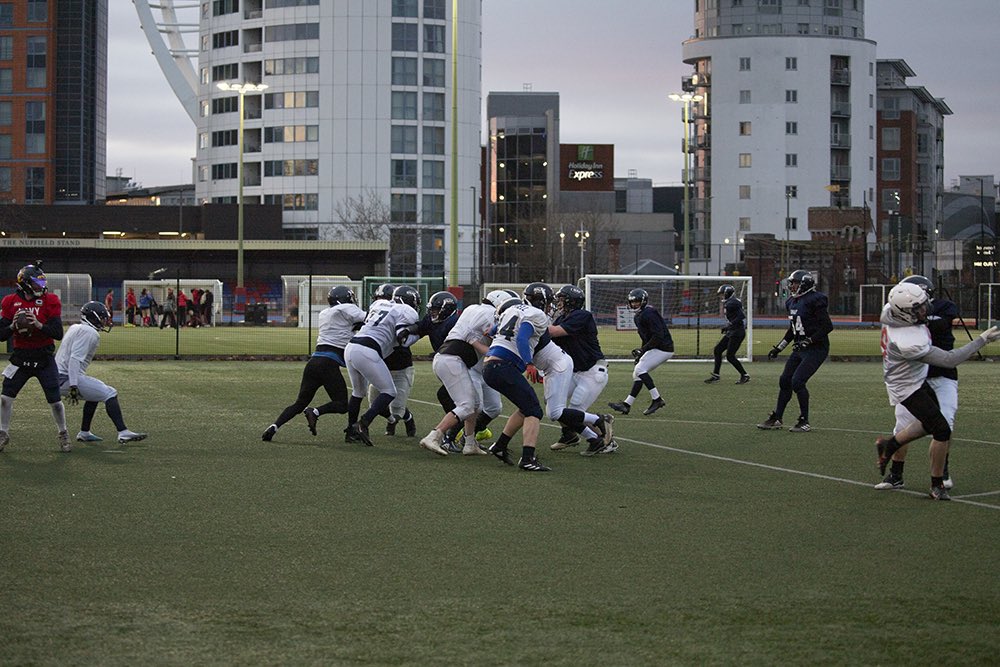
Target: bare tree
pixel 365 217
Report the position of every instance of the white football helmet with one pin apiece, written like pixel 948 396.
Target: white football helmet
pixel 497 297
pixel 908 302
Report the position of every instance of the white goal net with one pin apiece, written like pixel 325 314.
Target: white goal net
pixel 690 306
pixel 871 298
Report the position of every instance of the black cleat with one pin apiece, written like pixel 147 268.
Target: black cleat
pixel 743 379
pixel 532 465
pixel 801 426
pixel 269 433
pixel 349 436
pixel 772 423
pixel 939 493
pixel 311 418
pixel 623 408
pixel 411 427
pixel 501 453
pixel 595 447
pixel 712 379
pixel 390 426
pixel 654 406
pixel 891 481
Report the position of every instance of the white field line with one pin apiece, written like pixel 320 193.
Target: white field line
pixel 764 466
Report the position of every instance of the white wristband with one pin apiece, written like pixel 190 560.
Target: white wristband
pixel 782 344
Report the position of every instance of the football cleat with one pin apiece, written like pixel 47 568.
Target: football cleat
pixel 501 453
pixel 266 436
pixel 654 406
pixel 451 446
pixel 939 493
pixel 390 426
pixel 132 436
pixel 801 426
pixel 948 483
pixel 4 439
pixel 432 442
pixel 360 432
pixel 532 465
pixel 620 407
pixel 772 423
pixel 565 442
pixel 743 379
pixel 883 456
pixel 610 448
pixel 604 427
pixel 312 416
pixel 411 427
pixel 890 481
pixel 484 435
pixel 595 447
pixel 349 436
pixel 712 379
pixel 87 436
pixel 473 449
pixel 64 444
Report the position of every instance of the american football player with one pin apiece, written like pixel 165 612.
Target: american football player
pixel 657 348
pixel 733 334
pixel 73 359
pixel 31 318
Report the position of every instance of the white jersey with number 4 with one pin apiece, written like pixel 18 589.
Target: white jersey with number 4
pixel 473 324
pixel 510 323
pixel 903 347
pixel 385 319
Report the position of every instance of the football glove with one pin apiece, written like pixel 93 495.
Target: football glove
pixel 724 330
pixel 991 334
pixel 803 343
pixel 73 395
pixel 533 374
pixel 773 353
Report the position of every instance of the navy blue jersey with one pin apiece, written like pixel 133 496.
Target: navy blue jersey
pixel 808 318
pixel 736 318
pixel 436 332
pixel 653 330
pixel 939 318
pixel 581 344
pixel 399 359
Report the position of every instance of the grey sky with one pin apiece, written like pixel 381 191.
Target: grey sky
pixel 613 64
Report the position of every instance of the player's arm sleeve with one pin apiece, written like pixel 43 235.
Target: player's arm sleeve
pixel 53 328
pixel 935 356
pixel 524 333
pixel 557 331
pixel 654 325
pixel 5 329
pixel 823 325
pixel 77 355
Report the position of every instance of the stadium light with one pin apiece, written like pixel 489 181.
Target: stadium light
pixel 241 89
pixel 582 236
pixel 686 99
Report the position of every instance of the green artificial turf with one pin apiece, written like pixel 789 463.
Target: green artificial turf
pixel 702 541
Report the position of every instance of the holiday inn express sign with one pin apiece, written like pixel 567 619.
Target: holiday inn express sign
pixel 587 167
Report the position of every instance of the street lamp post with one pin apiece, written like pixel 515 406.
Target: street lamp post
pixel 562 252
pixel 582 237
pixel 788 228
pixel 686 99
pixel 241 89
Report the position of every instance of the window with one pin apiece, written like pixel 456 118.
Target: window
pixel 890 200
pixel 923 144
pixel 745 128
pixel 404 105
pixel 890 169
pixel 745 224
pixel 38 11
pixel 791 64
pixel 744 192
pixel 225 171
pixel 433 174
pixel 6 14
pixel 791 127
pixel 890 138
pixel 434 38
pixel 226 105
pixel 402 208
pixel 771 29
pixel 281 66
pixel 6 117
pixel 6 47
pixel 745 160
pixel 35 63
pixel 34 185
pixel 792 223
pixel 433 106
pixel 278 4
pixel 221 40
pixel 832 7
pixel 890 108
pixel 404 71
pixel 769 6
pixel 5 146
pixel 404 139
pixel 744 97
pixel 404 37
pixel 792 191
pixel 291 167
pixel 34 127
pixel 286 134
pixel 294 202
pixel 434 9
pixel 404 8
pixel 203 140
pixel 5 184
pixel 225 138
pixel 205 108
pixel 6 80
pixel 737 28
pixel 292 100
pixel 433 141
pixel 791 159
pixel 744 64
pixel 834 30
pixel 404 173
pixel 290 32
pixel 434 72
pixel 222 7
pixel 432 212
pixel 792 96
pixel 227 72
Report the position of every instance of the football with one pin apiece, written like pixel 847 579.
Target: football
pixel 22 324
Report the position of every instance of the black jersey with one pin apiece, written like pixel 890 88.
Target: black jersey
pixel 808 318
pixel 940 315
pixel 653 330
pixel 736 318
pixel 581 344
pixel 436 332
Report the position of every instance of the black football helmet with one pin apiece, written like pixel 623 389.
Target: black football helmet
pixel 570 297
pixel 509 303
pixel 384 291
pixel 925 283
pixel 638 298
pixel 800 282
pixel 341 294
pixel 31 281
pixel 441 306
pixel 96 315
pixel 408 295
pixel 726 291
pixel 539 295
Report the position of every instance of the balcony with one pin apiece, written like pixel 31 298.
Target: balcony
pixel 703 141
pixel 702 173
pixel 701 205
pixel 840 141
pixel 840 172
pixel 840 77
pixel 840 109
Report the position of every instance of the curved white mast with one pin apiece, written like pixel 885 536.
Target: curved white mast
pixel 166 37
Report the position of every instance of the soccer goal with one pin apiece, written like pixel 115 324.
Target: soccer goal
pixel 690 305
pixel 871 298
pixel 989 304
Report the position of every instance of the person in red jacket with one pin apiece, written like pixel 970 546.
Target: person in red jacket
pixel 182 306
pixel 131 307
pixel 31 318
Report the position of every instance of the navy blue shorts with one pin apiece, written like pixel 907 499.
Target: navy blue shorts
pixel 509 381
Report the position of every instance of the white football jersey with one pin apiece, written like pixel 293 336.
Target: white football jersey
pixel 384 319
pixel 473 324
pixel 552 359
pixel 336 324
pixel 76 351
pixel 511 321
pixel 902 351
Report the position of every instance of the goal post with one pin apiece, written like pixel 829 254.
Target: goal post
pixel 871 298
pixel 690 306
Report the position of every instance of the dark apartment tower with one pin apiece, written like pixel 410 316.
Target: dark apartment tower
pixel 53 101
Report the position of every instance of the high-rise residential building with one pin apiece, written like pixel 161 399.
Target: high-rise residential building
pixel 786 121
pixel 53 101
pixel 371 115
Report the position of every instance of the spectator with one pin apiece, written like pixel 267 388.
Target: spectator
pixel 145 307
pixel 130 308
pixel 109 303
pixel 169 310
pixel 194 308
pixel 207 302
pixel 182 306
